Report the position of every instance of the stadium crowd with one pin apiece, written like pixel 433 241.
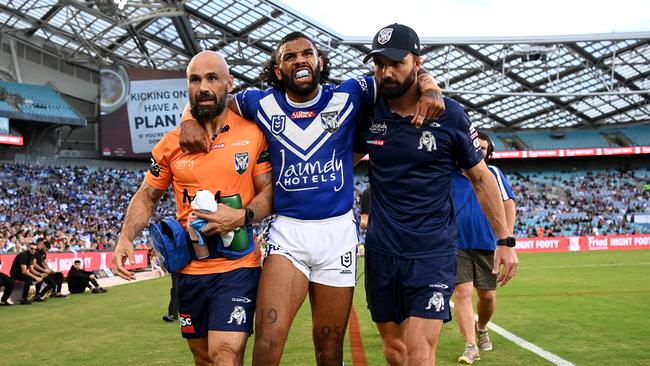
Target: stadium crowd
pixel 580 203
pixel 74 208
pixel 81 208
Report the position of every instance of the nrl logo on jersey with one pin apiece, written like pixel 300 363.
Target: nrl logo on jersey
pixel 330 121
pixel 384 35
pixel 241 162
pixel 278 123
pixel 379 128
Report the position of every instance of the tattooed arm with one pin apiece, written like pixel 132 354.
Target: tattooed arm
pixel 137 216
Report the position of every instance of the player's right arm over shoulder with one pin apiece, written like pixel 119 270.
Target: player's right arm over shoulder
pixel 193 137
pixel 137 216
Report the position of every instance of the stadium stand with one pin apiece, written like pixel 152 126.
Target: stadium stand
pixel 80 207
pixel 542 140
pixel 38 102
pixel 580 202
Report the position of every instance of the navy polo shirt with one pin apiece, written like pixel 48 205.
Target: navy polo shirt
pixel 410 173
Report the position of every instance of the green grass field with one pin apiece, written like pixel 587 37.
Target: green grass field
pixel 588 308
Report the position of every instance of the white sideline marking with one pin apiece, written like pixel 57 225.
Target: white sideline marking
pixel 551 357
pixel 590 265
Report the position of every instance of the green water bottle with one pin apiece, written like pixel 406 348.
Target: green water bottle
pixel 240 240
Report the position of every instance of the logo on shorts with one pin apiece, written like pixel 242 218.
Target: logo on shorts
pixel 186 323
pixel 243 299
pixel 439 285
pixel 238 315
pixel 437 301
pixel 346 259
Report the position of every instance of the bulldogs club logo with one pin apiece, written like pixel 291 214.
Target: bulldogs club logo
pixel 428 141
pixel 330 121
pixel 437 302
pixel 384 35
pixel 238 315
pixel 241 162
pixel 278 123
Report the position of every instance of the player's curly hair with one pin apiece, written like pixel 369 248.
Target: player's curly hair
pixel 268 70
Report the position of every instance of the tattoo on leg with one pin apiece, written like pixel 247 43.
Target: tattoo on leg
pixel 337 332
pixel 271 315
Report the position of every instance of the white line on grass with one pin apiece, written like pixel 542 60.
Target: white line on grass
pixel 551 357
pixel 590 265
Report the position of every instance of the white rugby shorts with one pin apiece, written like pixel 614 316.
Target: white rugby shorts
pixel 323 250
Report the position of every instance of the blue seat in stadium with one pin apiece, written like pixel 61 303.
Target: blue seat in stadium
pixel 39 100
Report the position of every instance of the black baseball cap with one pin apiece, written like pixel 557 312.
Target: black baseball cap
pixel 395 42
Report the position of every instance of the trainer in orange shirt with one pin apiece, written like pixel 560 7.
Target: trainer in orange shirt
pixel 216 295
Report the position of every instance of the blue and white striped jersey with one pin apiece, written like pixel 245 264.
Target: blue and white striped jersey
pixel 310 145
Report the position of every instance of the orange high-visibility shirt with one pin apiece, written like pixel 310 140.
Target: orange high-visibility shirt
pixel 235 157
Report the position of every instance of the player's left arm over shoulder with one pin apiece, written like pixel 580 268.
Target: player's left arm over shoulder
pixel 262 202
pixel 506 194
pixel 487 192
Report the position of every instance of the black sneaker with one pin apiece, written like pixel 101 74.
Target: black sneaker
pixel 170 318
pixel 96 290
pixel 101 289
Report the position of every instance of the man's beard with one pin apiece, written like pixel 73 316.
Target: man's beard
pixel 304 90
pixel 205 114
pixel 395 89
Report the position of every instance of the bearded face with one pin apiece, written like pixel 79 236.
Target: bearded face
pixel 392 88
pixel 206 106
pixel 292 80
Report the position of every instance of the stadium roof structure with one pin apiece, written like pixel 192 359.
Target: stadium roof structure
pixel 518 82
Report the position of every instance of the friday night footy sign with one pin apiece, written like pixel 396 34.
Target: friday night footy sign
pixel 154 108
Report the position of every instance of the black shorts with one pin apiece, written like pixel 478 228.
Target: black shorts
pixel 399 288
pixel 217 302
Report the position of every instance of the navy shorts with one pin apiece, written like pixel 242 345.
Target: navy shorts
pixel 220 301
pixel 398 288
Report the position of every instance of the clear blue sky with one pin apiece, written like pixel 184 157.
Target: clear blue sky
pixel 479 18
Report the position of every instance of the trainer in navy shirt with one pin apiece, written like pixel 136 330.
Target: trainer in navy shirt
pixel 410 174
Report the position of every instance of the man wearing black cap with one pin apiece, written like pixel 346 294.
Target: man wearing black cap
pixel 411 238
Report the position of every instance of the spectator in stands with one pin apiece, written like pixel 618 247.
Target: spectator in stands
pixel 476 246
pixel 20 271
pixel 3 244
pixel 79 280
pixel 53 279
pixel 8 283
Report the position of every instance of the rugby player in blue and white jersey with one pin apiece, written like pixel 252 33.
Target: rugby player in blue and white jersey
pixel 475 256
pixel 411 238
pixel 310 126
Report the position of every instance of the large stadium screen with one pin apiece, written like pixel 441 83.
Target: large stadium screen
pixel 138 107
